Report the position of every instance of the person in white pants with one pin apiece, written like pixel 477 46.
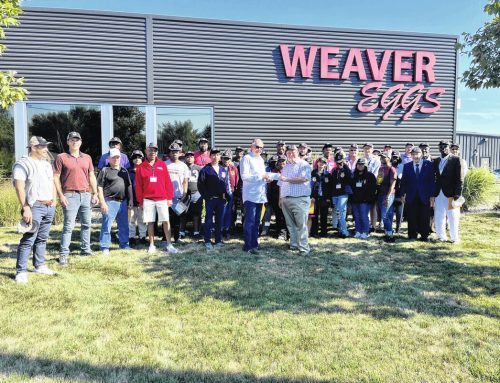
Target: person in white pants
pixel 449 184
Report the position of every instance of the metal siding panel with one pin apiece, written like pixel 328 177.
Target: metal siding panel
pixel 470 141
pixel 73 56
pixel 237 69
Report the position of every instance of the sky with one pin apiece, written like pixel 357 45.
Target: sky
pixel 479 111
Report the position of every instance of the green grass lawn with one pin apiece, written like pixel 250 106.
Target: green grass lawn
pixel 353 311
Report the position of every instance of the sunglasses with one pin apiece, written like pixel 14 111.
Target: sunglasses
pixel 258 147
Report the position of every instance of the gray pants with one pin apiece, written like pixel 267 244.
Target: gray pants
pixel 295 210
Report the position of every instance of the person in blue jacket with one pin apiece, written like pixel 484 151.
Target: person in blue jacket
pixel 114 143
pixel 214 187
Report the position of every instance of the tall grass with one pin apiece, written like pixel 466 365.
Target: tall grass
pixel 10 207
pixel 478 184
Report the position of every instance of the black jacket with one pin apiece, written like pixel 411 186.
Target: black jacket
pixel 340 176
pixel 318 179
pixel 450 181
pixel 366 192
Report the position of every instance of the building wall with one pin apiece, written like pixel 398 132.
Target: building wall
pixel 234 67
pixel 475 146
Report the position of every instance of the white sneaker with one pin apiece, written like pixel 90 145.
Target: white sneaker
pixel 364 236
pixel 43 269
pixel 208 246
pixel 171 249
pixel 152 249
pixel 357 235
pixel 105 252
pixel 22 277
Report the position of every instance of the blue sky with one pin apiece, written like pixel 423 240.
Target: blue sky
pixel 479 111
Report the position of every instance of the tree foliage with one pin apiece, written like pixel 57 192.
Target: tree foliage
pixel 11 89
pixel 129 124
pixel 6 143
pixel 179 130
pixel 483 47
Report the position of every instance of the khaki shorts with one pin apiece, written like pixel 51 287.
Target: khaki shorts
pixel 150 207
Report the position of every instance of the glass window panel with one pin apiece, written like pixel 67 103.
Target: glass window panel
pixel 54 121
pixel 129 124
pixel 186 124
pixel 7 149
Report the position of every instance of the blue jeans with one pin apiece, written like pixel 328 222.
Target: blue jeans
pixel 340 203
pixel 78 204
pixel 386 213
pixel 37 241
pixel 119 211
pixel 215 205
pixel 253 211
pixel 228 213
pixel 361 221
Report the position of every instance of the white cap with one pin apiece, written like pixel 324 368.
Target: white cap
pixel 114 152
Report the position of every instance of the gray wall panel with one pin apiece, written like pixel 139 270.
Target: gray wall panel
pixel 487 146
pixel 238 70
pixel 71 56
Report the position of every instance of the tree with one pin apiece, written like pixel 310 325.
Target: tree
pixel 181 130
pixel 484 49
pixel 11 89
pixel 7 143
pixel 129 123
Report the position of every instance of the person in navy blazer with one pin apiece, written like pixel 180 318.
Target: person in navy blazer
pixel 417 191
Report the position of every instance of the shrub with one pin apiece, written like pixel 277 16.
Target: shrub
pixel 10 207
pixel 477 185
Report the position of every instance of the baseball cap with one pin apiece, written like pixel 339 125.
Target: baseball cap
pixel 416 150
pixel 339 156
pixel 291 147
pixel 281 143
pixel 115 139
pixel 354 146
pixel 202 139
pixel 239 149
pixel 73 135
pixel 189 153
pixel 174 147
pixel 423 145
pixel 23 227
pixel 455 145
pixel 152 145
pixel 376 151
pixel 178 142
pixel 228 153
pixel 214 151
pixel 361 161
pixel 369 144
pixel 37 140
pixel 114 153
pixel 387 146
pixel 384 155
pixel 137 153
pixel 281 157
pixel 395 153
pixel 327 145
pixel 444 143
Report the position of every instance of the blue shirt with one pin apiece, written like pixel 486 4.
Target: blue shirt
pixel 104 160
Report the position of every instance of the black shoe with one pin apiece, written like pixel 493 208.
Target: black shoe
pixel 342 236
pixel 424 239
pixel 88 253
pixel 63 260
pixel 389 238
pixel 372 229
pixel 144 241
pixel 253 251
pixel 132 241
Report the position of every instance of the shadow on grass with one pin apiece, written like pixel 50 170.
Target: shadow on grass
pixel 367 277
pixel 36 368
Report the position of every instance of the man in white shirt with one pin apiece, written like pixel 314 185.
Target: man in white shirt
pixel 254 177
pixel 34 183
pixel 179 175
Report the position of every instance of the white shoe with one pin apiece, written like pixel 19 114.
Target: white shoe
pixel 105 252
pixel 357 235
pixel 43 269
pixel 364 236
pixel 208 246
pixel 152 249
pixel 171 249
pixel 22 277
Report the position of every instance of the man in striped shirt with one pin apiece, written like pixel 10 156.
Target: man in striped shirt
pixel 295 192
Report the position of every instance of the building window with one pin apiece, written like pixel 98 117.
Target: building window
pixel 7 149
pixel 129 124
pixel 54 121
pixel 186 124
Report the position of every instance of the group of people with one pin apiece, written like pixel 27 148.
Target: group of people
pixel 302 194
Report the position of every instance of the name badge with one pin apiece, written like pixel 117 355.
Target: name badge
pixel 326 180
pixel 338 186
pixel 359 184
pixel 223 174
pixel 152 179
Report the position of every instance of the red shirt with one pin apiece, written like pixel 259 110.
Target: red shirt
pixel 74 172
pixel 234 176
pixel 201 159
pixel 146 187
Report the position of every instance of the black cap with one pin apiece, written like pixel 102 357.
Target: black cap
pixel 387 146
pixel 338 149
pixel 281 157
pixel 281 143
pixel 361 161
pixel 152 145
pixel 339 156
pixel 73 135
pixel 214 151
pixel 38 140
pixel 369 144
pixel 423 145
pixel 174 147
pixel 189 153
pixel 239 149
pixel 395 153
pixel 455 145
pixel 228 153
pixel 291 147
pixel 303 145
pixel 273 158
pixel 444 143
pixel 115 139
pixel 327 145
pixel 137 153
pixel 202 139
pixel 376 151
pixel 354 146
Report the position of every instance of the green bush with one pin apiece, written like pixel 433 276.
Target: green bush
pixel 10 206
pixel 477 185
